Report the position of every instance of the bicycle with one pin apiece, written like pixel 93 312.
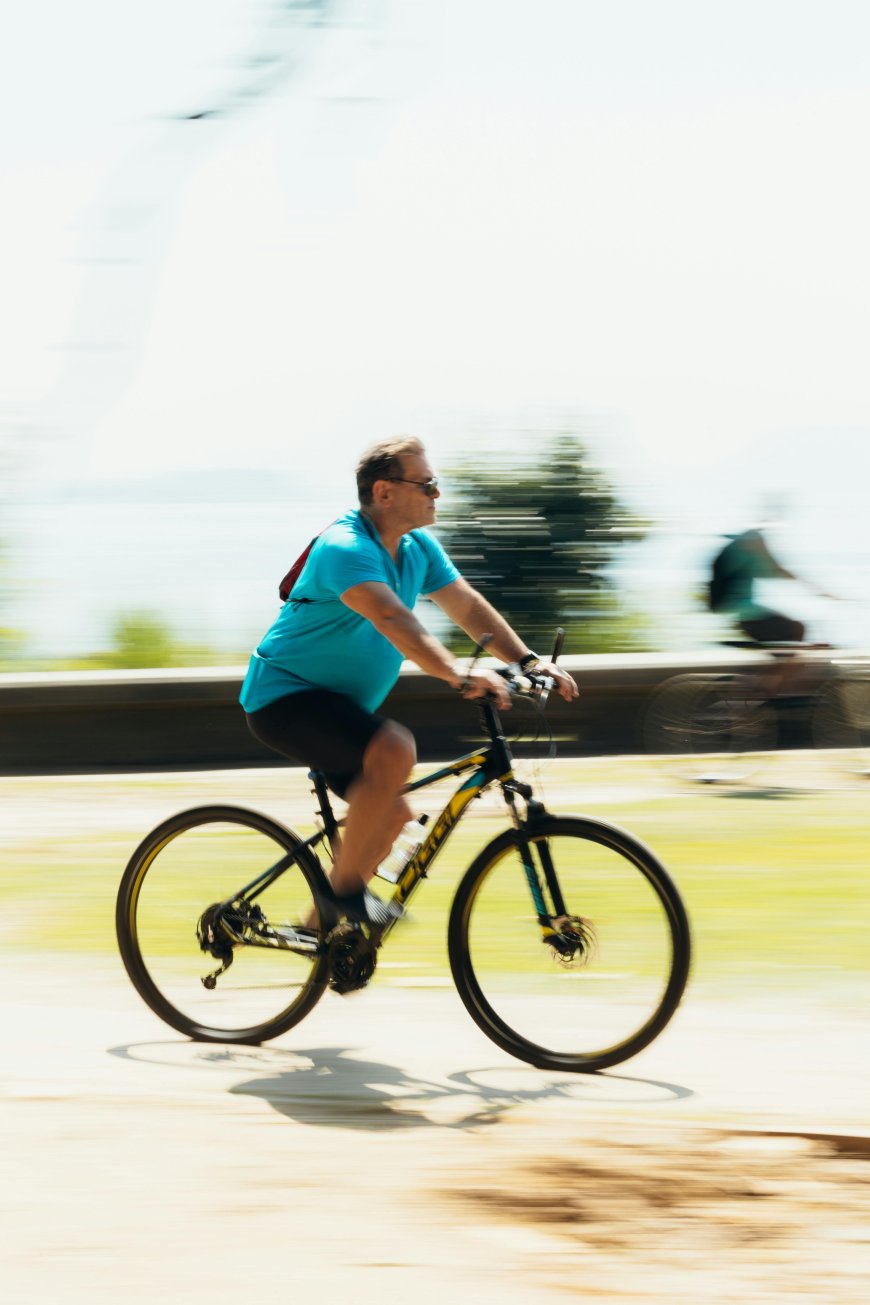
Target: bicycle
pixel 734 715
pixel 568 941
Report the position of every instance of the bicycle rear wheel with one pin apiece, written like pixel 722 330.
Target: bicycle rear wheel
pixel 625 979
pixel 197 860
pixel 841 721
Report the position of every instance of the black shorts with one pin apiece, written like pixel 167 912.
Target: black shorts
pixel 773 627
pixel 319 729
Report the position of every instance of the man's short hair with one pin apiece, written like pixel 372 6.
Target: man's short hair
pixel 382 461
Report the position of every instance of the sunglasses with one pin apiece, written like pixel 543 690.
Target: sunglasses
pixel 429 487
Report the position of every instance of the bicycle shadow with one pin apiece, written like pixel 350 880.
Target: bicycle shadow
pixel 764 793
pixel 334 1088
pixel 338 1090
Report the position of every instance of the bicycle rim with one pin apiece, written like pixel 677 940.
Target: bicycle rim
pixel 616 993
pixel 710 731
pixel 191 862
pixel 841 722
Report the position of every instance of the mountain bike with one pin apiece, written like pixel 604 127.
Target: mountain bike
pixel 716 723
pixel 568 941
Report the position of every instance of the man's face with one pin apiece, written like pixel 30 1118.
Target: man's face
pixel 412 505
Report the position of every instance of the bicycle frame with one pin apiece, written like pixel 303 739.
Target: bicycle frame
pixel 484 770
pixel 474 786
pixel 490 764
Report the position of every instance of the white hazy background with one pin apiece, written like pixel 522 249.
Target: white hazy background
pixel 240 240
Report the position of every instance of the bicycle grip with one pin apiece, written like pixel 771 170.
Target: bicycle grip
pixel 557 646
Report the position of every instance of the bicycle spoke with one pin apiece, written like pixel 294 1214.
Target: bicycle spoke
pixel 208 960
pixel 612 973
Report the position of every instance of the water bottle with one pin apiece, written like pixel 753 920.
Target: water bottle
pixel 409 839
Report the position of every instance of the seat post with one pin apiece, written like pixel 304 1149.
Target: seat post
pixel 324 806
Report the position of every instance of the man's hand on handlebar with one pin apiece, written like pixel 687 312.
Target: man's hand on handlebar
pixel 485 684
pixel 562 681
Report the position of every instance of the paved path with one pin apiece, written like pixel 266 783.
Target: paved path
pixel 386 1150
pixel 385 1147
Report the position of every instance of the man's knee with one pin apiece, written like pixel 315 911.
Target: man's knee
pixel 392 752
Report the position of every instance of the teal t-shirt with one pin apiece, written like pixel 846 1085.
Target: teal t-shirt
pixel 317 642
pixel 745 561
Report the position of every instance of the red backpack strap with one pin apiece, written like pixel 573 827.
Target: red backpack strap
pixel 285 588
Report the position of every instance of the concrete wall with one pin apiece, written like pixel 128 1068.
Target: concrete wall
pixel 58 723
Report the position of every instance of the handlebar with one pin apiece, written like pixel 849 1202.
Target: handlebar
pixel 526 684
pixel 522 684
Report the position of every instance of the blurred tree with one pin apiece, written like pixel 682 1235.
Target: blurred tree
pixel 142 639
pixel 538 537
pixel 12 640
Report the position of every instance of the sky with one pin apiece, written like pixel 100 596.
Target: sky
pixel 476 221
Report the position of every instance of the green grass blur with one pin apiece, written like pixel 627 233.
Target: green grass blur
pixel 776 883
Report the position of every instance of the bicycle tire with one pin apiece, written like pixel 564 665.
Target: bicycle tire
pixel 841 722
pixel 499 964
pixel 170 880
pixel 709 727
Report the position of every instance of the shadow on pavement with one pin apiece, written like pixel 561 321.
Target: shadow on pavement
pixel 332 1087
pixel 767 794
pixel 338 1090
pixel 341 1091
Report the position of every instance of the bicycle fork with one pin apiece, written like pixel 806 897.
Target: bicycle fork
pixel 534 810
pixel 566 935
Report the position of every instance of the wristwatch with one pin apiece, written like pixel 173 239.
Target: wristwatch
pixel 529 662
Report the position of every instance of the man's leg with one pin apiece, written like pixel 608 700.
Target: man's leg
pixel 376 810
pixel 335 735
pixel 784 675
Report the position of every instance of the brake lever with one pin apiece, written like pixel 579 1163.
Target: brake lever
pixel 485 640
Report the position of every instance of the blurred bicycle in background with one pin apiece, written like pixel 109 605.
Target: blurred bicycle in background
pixel 715 725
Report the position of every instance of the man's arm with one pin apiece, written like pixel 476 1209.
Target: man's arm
pixel 779 572
pixel 396 622
pixel 775 569
pixel 472 613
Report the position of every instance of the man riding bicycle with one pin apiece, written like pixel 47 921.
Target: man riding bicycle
pixel 325 666
pixel 735 572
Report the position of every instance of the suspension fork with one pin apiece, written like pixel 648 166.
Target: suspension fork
pixel 543 849
pixel 534 810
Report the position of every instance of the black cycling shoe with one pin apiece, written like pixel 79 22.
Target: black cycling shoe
pixel 365 907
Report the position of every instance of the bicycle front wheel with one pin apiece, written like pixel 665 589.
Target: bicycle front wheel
pixel 709 727
pixel 599 1002
pixel 196 861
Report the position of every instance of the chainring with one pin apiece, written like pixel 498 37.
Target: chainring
pixel 352 956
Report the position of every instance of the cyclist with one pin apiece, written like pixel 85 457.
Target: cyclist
pixel 734 573
pixel 317 679
pixel 735 570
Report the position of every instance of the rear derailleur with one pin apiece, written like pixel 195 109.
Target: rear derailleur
pixel 222 927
